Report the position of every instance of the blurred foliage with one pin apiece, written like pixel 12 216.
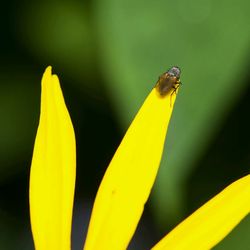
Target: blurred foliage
pixel 198 38
pixel 108 55
pixel 18 122
pixel 58 33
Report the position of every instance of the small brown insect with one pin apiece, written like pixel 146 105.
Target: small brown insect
pixel 168 81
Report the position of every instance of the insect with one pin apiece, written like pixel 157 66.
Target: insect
pixel 169 81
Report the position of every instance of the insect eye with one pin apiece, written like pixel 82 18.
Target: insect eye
pixel 175 71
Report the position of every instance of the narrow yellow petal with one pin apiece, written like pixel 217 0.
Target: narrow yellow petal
pixel 52 176
pixel 129 178
pixel 213 221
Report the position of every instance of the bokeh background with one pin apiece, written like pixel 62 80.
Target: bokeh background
pixel 108 55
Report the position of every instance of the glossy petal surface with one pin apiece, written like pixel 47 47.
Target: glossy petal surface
pixel 129 178
pixel 213 221
pixel 52 177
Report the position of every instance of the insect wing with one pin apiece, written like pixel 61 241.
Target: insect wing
pixel 164 84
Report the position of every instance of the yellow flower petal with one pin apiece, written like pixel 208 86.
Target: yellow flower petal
pixel 213 221
pixel 129 178
pixel 52 176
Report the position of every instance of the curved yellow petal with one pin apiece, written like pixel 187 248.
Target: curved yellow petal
pixel 128 180
pixel 52 176
pixel 213 221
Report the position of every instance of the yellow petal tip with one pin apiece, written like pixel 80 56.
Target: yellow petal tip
pixel 48 70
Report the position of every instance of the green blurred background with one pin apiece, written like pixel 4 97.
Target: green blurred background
pixel 108 55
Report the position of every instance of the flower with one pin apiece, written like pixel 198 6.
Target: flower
pixel 125 187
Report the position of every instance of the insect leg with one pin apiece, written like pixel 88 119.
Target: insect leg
pixel 174 91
